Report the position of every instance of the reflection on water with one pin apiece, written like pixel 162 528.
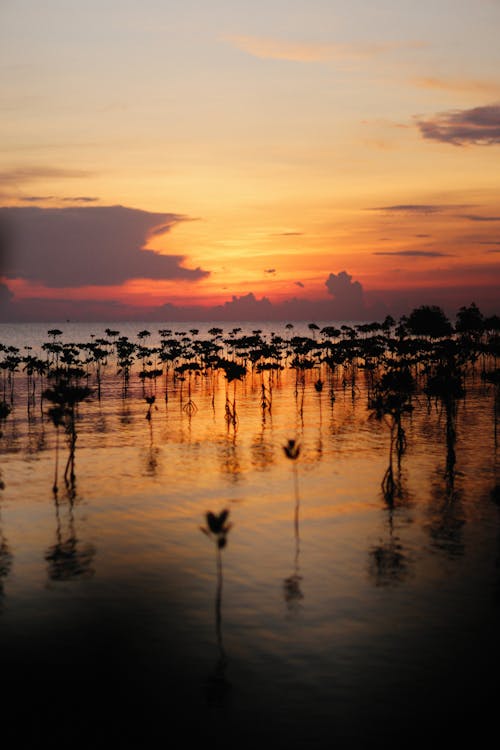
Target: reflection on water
pixel 68 558
pixel 5 563
pixel 338 605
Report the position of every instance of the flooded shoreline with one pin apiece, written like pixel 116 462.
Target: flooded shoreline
pixel 344 611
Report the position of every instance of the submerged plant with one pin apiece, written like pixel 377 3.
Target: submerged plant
pixel 218 528
pixel 391 401
pixel 65 398
pixel 292 450
pixel 291 585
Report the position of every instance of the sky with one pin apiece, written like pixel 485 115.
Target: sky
pixel 276 159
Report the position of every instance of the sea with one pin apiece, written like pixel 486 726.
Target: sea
pixel 195 583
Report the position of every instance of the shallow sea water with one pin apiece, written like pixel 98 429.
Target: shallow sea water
pixel 342 618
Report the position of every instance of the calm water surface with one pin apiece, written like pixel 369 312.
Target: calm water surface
pixel 342 617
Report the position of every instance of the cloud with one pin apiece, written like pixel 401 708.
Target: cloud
pixel 299 283
pixel 271 271
pixel 418 208
pixel 460 85
pixel 478 217
pixel 47 198
pixel 414 253
pixel 88 245
pixel 20 175
pixel 270 48
pixel 348 294
pixel 347 301
pixel 81 199
pixel 37 198
pixel 6 295
pixel 477 126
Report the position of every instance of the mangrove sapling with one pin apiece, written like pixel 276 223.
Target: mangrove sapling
pixel 391 401
pixel 232 372
pixel 444 384
pixel 291 585
pixel 5 410
pixel 189 407
pixel 217 529
pixel 65 397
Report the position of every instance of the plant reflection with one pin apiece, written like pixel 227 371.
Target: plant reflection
pixel 494 377
pixel 65 396
pixel 5 410
pixel 390 402
pixel 262 450
pixel 217 529
pixel 229 454
pixel 6 558
pixel 389 564
pixel 446 517
pixel 68 559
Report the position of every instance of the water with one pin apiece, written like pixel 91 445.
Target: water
pixel 343 618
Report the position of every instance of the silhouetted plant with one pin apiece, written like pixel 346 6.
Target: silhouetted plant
pixel 390 402
pixel 429 320
pixel 232 372
pixel 65 398
pixel 291 585
pixel 470 320
pixel 217 529
pixel 445 383
pixel 5 410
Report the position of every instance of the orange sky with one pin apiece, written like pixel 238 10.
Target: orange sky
pixel 290 142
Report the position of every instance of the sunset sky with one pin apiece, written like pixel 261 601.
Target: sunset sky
pixel 236 159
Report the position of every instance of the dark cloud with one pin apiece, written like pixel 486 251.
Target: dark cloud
pixel 347 294
pixel 46 198
pixel 423 235
pixel 478 126
pixel 270 270
pixel 81 199
pixel 347 302
pixel 20 175
pixel 478 217
pixel 91 245
pixel 299 283
pixel 414 253
pixel 37 198
pixel 418 208
pixel 496 250
pixel 6 295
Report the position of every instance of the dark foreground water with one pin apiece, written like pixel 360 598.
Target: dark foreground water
pixel 343 618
